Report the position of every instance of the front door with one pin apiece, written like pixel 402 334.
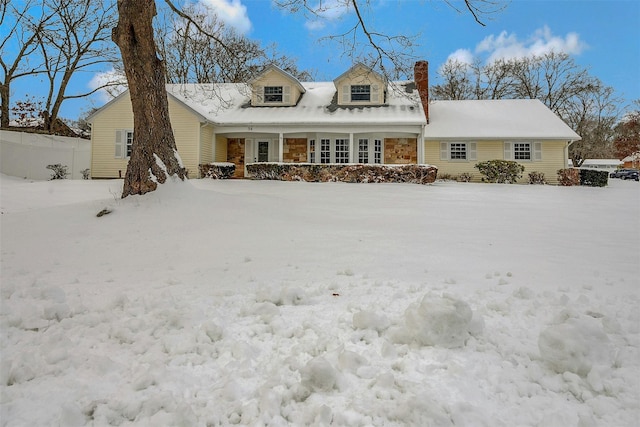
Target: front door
pixel 263 151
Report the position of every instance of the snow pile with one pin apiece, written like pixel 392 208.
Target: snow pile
pixel 576 343
pixel 271 303
pixel 443 321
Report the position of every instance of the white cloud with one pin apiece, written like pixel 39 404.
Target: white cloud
pixel 326 11
pixel 107 94
pixel 508 46
pixel 463 56
pixel 231 12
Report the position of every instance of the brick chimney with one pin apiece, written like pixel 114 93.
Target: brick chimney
pixel 421 77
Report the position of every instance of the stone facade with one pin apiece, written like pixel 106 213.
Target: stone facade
pixel 235 154
pixel 400 151
pixel 295 150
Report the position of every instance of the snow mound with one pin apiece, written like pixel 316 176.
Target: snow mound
pixel 319 375
pixel 443 321
pixel 367 319
pixel 576 344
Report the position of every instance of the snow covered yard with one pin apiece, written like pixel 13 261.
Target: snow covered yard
pixel 283 303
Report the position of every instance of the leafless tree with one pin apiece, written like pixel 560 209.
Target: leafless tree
pixel 191 56
pixel 593 115
pixel 391 54
pixel 18 45
pixel 77 40
pixel 56 39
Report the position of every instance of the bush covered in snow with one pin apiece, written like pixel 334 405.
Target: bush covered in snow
pixel 586 177
pixel 223 170
pixel 594 178
pixel 356 173
pixel 500 171
pixel 568 177
pixel 537 178
pixel 58 171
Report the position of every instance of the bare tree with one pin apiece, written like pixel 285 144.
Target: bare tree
pixel 77 40
pixel 593 114
pixel 18 45
pixel 57 39
pixel 191 56
pixel 392 54
pixel 627 135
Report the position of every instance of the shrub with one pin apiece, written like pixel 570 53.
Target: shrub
pixel 217 170
pixel 537 178
pixel 594 178
pixel 85 173
pixel 419 174
pixel 568 177
pixel 59 171
pixel 446 177
pixel 500 171
pixel 464 177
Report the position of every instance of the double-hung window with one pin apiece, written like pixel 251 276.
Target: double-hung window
pixel 273 94
pixel 377 151
pixel 363 150
pixel 312 151
pixel 458 151
pixel 523 151
pixel 360 93
pixel 124 143
pixel 342 150
pixel 325 151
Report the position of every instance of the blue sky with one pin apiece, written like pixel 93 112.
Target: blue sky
pixel 603 35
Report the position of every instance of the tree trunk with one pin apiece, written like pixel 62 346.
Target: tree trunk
pixel 154 156
pixel 4 105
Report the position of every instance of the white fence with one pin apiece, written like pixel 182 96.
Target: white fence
pixel 26 155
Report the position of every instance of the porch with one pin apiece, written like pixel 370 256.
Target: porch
pixel 326 148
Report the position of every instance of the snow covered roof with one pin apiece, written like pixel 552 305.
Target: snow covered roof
pixel 496 119
pixel 228 104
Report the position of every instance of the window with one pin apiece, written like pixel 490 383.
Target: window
pixel 360 93
pixel 312 151
pixel 342 151
pixel 523 151
pixel 124 143
pixel 363 150
pixel 325 151
pixel 273 94
pixel 377 151
pixel 458 151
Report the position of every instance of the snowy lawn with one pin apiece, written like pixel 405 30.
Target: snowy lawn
pixel 281 303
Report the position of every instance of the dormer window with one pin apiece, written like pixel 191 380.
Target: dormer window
pixel 273 94
pixel 360 93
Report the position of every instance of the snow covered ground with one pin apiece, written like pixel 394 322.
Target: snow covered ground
pixel 282 303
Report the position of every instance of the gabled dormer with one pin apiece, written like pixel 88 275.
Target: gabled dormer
pixel 275 88
pixel 361 86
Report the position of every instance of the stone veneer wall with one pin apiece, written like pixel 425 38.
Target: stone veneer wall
pixel 400 151
pixel 235 154
pixel 295 150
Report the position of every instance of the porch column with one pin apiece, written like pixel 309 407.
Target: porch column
pixel 420 146
pixel 213 147
pixel 352 148
pixel 280 147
